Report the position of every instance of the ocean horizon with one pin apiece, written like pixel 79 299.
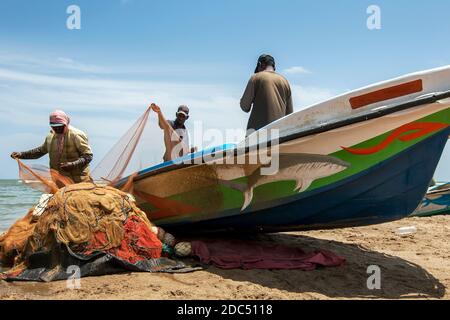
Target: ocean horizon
pixel 15 201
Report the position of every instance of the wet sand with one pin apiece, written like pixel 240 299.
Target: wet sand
pixel 414 266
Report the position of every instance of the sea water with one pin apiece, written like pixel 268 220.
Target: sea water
pixel 15 201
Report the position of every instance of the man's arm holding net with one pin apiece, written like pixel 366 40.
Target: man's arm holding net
pixel 35 153
pixel 162 122
pixel 175 146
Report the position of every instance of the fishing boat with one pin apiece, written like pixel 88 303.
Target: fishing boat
pixel 364 157
pixel 435 202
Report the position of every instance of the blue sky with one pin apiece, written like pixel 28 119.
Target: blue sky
pixel 132 52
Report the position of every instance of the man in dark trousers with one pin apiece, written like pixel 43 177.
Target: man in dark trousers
pixel 268 95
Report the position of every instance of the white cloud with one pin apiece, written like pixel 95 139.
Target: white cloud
pixel 91 93
pixel 296 70
pixel 54 65
pixel 32 96
pixel 305 96
pixel 45 64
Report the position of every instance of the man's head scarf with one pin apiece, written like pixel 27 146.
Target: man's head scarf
pixel 60 117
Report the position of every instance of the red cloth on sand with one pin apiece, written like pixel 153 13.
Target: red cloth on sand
pixel 232 254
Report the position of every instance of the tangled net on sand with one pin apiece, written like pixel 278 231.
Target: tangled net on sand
pixel 100 229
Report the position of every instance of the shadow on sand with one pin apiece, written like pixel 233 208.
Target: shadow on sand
pixel 399 278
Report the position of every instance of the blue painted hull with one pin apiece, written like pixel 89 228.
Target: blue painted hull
pixel 388 191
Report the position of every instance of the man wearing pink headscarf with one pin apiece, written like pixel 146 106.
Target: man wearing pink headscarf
pixel 67 147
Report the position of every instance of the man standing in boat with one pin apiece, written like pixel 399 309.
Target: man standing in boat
pixel 268 95
pixel 67 147
pixel 176 135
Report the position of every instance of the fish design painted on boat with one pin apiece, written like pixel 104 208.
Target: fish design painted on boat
pixel 304 169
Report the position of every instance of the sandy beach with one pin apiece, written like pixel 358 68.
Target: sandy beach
pixel 413 266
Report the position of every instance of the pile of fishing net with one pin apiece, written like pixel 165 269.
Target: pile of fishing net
pixel 98 229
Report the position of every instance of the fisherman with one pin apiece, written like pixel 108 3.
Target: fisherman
pixel 268 95
pixel 176 136
pixel 67 147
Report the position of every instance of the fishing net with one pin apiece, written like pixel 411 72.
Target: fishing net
pixel 13 241
pixel 143 145
pixel 42 178
pixel 113 165
pixel 99 229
